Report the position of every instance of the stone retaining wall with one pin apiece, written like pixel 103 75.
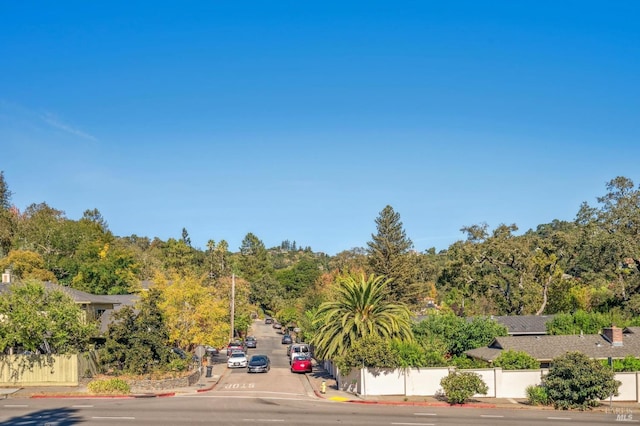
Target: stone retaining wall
pixel 157 385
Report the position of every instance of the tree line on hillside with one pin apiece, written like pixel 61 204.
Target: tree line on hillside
pixel 589 264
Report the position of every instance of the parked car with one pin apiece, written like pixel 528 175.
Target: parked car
pixel 302 364
pixel 287 340
pixel 237 359
pixel 251 342
pixel 277 325
pixel 298 349
pixel 235 346
pixel 259 364
pixel 268 320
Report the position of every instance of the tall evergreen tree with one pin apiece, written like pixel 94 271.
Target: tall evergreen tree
pixel 7 219
pixel 389 256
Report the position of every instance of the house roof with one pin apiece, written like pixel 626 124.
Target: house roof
pixel 524 324
pixel 120 301
pixel 77 295
pixel 546 348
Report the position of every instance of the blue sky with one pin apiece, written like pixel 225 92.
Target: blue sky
pixel 301 121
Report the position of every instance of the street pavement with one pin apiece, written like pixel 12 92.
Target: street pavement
pixel 315 380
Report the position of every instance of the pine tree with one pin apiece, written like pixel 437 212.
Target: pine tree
pixel 389 255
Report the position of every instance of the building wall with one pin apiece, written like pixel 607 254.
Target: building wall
pixel 426 382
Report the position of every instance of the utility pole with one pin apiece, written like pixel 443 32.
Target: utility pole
pixel 233 305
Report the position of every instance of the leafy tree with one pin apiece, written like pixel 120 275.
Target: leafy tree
pixel 516 360
pixel 371 351
pixel 460 386
pixel 254 265
pixel 299 278
pixel 576 381
pixel 581 322
pixel 389 256
pixel 105 268
pixel 410 354
pixel 25 264
pixel 42 320
pixel 360 309
pixel 194 313
pixel 137 340
pixel 455 334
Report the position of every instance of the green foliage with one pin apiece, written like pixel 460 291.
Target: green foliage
pixel 389 257
pixel 580 321
pixel 297 279
pixel 137 341
pixel 105 267
pixel 41 320
pixel 629 363
pixel 537 395
pixel 576 381
pixel 370 351
pixel 464 362
pixel 410 354
pixel 360 309
pixel 113 386
pixel 516 360
pixel 457 334
pixel 460 386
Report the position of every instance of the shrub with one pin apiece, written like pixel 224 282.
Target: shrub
pixel 576 381
pixel 537 395
pixel 109 386
pixel 516 360
pixel 459 387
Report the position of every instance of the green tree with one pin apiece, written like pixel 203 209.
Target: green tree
pixel 576 381
pixel 459 387
pixel 105 267
pixel 7 217
pixel 43 320
pixel 516 360
pixel 370 351
pixel 254 265
pixel 457 335
pixel 137 340
pixel 360 309
pixel 389 256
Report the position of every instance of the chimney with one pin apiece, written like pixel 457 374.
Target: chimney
pixel 6 276
pixel 613 334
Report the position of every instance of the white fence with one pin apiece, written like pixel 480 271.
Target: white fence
pixel 426 381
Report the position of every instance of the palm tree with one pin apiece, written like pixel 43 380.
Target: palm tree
pixel 359 309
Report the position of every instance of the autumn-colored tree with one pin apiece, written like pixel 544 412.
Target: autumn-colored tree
pixel 194 313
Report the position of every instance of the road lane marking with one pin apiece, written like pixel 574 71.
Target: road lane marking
pixel 263 420
pixel 113 418
pixel 414 424
pixel 82 406
pixel 490 416
pixel 424 414
pixel 559 418
pixel 16 405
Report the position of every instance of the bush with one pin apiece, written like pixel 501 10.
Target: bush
pixel 576 381
pixel 516 360
pixel 459 387
pixel 111 386
pixel 537 395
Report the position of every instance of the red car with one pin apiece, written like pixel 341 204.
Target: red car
pixel 302 364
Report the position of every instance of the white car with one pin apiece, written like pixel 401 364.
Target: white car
pixel 237 359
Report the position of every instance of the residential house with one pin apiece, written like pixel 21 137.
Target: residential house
pixel 613 343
